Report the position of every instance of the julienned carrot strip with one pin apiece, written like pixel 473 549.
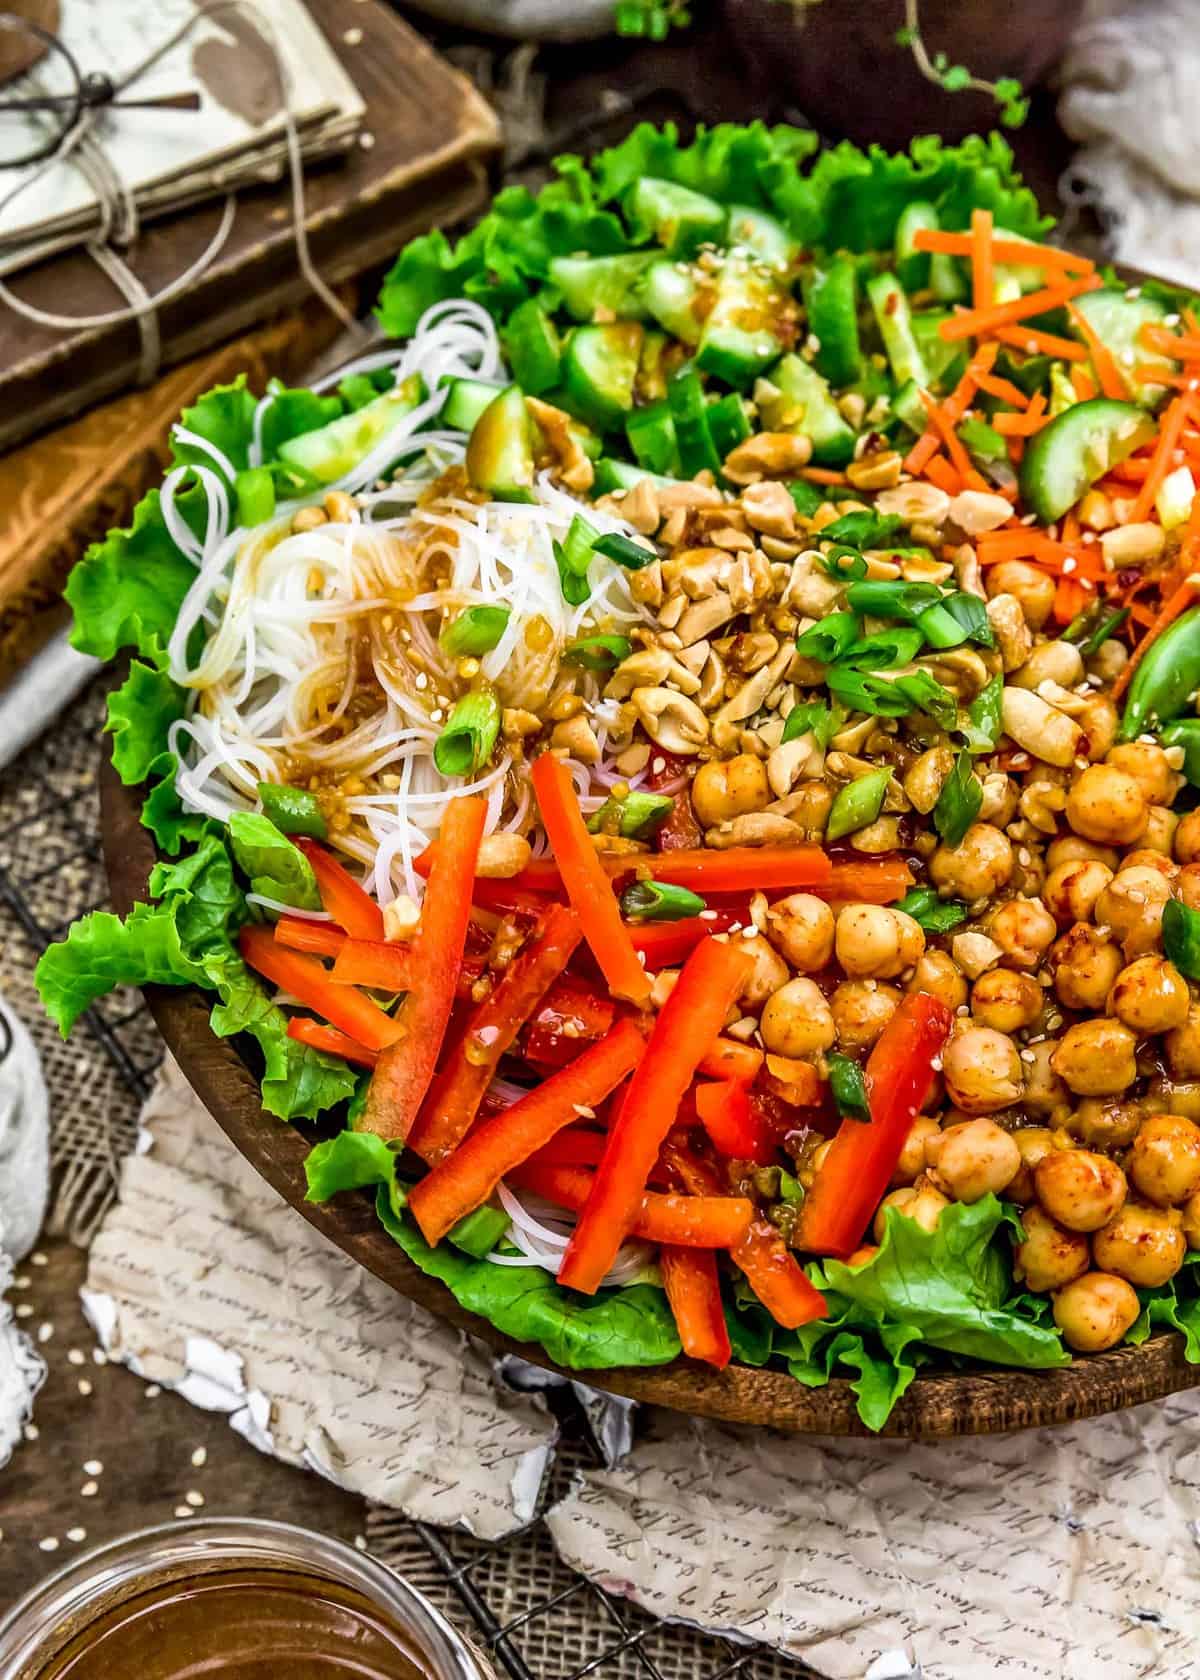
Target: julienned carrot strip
pixel 350 905
pixel 1178 346
pixel 572 1147
pixel 1177 603
pixel 402 1078
pixel 1034 342
pixel 1003 389
pixel 954 407
pixel 690 1221
pixel 1070 598
pixel 498 1144
pixel 983 286
pixel 955 448
pixel 1178 410
pixel 466 1072
pixel 822 475
pixel 334 1043
pixel 1112 382
pixel 587 885
pixel 1082 382
pixel 690 1020
pixel 1022 425
pixel 880 880
pixel 976 323
pixel 1150 373
pixel 939 471
pixel 307 979
pixel 1191 321
pixel 693 1288
pixel 738 869
pixel 1004 250
pixel 319 939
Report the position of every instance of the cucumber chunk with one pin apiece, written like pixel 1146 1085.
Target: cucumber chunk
pixel 1066 457
pixel 500 449
pixel 534 348
pixel 831 299
pixel 670 293
pixel 738 339
pixel 599 370
pixel 797 399
pixel 912 266
pixel 333 449
pixel 1117 320
pixel 591 283
pixel 765 238
pixel 466 400
pixel 894 319
pixel 680 219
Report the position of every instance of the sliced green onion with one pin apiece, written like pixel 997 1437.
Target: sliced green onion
pixel 863 530
pixel 984 718
pixel 814 716
pixel 635 817
pixel 293 810
pixel 806 496
pixel 959 801
pixel 1107 627
pixel 940 628
pixel 883 651
pixel 970 613
pixel 845 564
pixel 925 692
pixel 849 1087
pixel 983 441
pixel 574 585
pixel 475 631
pixel 1185 733
pixel 578 544
pixel 597 653
pixel 857 804
pixel 1181 937
pixel 905 601
pixel 934 914
pixel 826 640
pixel 466 743
pixel 660 901
pixel 863 692
pixel 478 1232
pixel 624 550
pixel 255 491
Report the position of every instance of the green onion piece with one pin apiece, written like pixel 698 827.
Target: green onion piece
pixel 806 496
pixel 925 692
pixel 478 1232
pixel 293 810
pixel 597 653
pixel 883 651
pixel 905 601
pixel 660 901
pixel 1181 937
pixel 578 544
pixel 624 550
pixel 811 715
pixel 475 631
pixel 983 441
pixel 255 491
pixel 574 585
pixel 826 640
pixel 934 914
pixel 635 817
pixel 863 530
pixel 959 801
pixel 466 743
pixel 863 692
pixel 848 1086
pixel 940 628
pixel 845 564
pixel 970 613
pixel 1107 627
pixel 857 804
pixel 1185 733
pixel 984 714
pixel 791 1190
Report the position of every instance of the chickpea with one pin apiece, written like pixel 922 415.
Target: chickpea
pixel 923 1202
pixel 1106 805
pixel 1149 768
pixel 801 928
pixel 912 1157
pixel 1191 1220
pixel 1033 588
pixel 1078 1188
pixel 1132 906
pixel 972 1159
pixel 862 1256
pixel 1145 857
pixel 797 1020
pixel 937 974
pixel 1164 1162
pixel 983 1070
pixel 873 940
pixel 1033 1143
pixel 1187 837
pixel 1142 1244
pixel 1098 718
pixel 726 788
pixel 1096 1058
pixel 1045 1095
pixel 1172 1096
pixel 1069 848
pixel 1100 1123
pixel 1187 885
pixel 1023 928
pixel 1085 965
pixel 1095 1311
pixel 1150 996
pixel 1160 830
pixel 768 974
pixel 1073 888
pixel 1049 1257
pixel 1005 1000
pixel 1183 1046
pixel 861 1010
pixel 977 868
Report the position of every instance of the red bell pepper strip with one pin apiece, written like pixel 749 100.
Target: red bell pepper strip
pixel 727 1059
pixel 899 1075
pixel 733 1124
pixel 506 899
pixel 573 1147
pixel 307 979
pixel 350 905
pixel 690 1221
pixel 880 880
pixel 587 886
pixel 690 1020
pixel 663 944
pixel 385 964
pixel 694 1290
pixel 740 869
pixel 466 1073
pixel 319 939
pixel 320 1037
pixel 568 1018
pixel 402 1078
pixel 465 1179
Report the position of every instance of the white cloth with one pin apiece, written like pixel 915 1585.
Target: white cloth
pixel 24 1183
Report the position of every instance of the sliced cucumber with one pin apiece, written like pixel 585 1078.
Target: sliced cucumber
pixel 894 319
pixel 738 339
pixel 831 300
pixel 466 400
pixel 727 423
pixel 534 348
pixel 333 449
pixel 908 407
pixel 678 218
pixel 945 359
pixel 670 292
pixel 651 434
pixel 615 476
pixel 947 278
pixel 652 373
pixel 591 283
pixel 1117 320
pixel 599 369
pixel 912 266
pixel 767 240
pixel 685 397
pixel 797 399
pixel 1063 394
pixel 1066 457
pixel 500 449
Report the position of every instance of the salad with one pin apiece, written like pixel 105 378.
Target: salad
pixel 684 762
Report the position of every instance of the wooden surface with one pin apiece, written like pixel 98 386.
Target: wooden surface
pixel 939 1403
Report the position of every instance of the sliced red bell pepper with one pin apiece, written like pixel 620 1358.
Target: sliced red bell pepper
pixel 319 939
pixel 569 1017
pixel 858 1168
pixel 384 964
pixel 681 831
pixel 320 1037
pixel 727 1059
pixel 498 1144
pixel 734 1125
pixel 740 869
pixel 467 1071
pixel 664 944
pixel 587 886
pixel 307 979
pixel 506 899
pixel 690 1020
pixel 574 1147
pixel 880 880
pixel 694 1290
pixel 350 905
pixel 690 1221
pixel 402 1078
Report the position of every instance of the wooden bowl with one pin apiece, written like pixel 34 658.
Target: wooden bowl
pixel 938 1403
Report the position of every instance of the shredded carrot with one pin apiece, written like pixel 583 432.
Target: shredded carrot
pixel 822 475
pixel 1133 471
pixel 1178 410
pixel 955 448
pixel 1016 450
pixel 1172 607
pixel 983 274
pixel 1176 345
pixel 1022 425
pixel 1084 384
pixel 1151 373
pixel 1004 389
pixel 954 407
pixel 1109 375
pixel 977 323
pixel 1191 322
pixel 939 471
pixel 1034 341
pixel 1004 250
pixel 1070 598
pixel 1084 560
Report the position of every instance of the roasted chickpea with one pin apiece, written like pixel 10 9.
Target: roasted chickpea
pixel 861 1010
pixel 796 1020
pixel 1098 718
pixel 1160 831
pixel 1069 848
pixel 1006 1000
pixel 972 1159
pixel 1085 965
pixel 1033 588
pixel 1045 1095
pixel 768 974
pixel 977 868
pixel 1150 996
pixel 1049 1257
pixel 1187 837
pixel 1164 1161
pixel 1033 1144
pixel 1175 1096
pixel 1187 885
pixel 937 973
pixel 1145 857
pixel 1145 1245
pixel 873 940
pixel 912 1157
pixel 1107 1122
pixel 1191 1220
pixel 1072 889
pixel 731 787
pixel 1096 1058
pixel 1108 806
pixel 1149 768
pixel 1183 1046
pixel 1078 1188
pixel 982 1070
pixel 801 928
pixel 1024 929
pixel 923 1202
pixel 1095 1311
pixel 1132 906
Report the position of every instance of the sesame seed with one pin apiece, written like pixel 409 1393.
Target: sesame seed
pixel 31 1432
pixel 1028 1056
pixel 360 1542
pixel 37 1258
pixel 75 1535
pixel 366 141
pixel 22 1282
pixel 711 915
pixel 99 1357
pixel 74 1357
pixel 352 37
pixel 200 1457
pixel 194 1498
pixel 49 1544
pixel 183 1510
pixel 84 1386
pixel 1170 320
pixel 153 1391
pixel 89 1490
pixel 45 1331
pixel 24 1310
pixel 93 1467
pixel 658 765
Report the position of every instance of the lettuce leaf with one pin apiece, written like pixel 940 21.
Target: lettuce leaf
pixel 276 866
pixel 163 813
pixel 1175 1306
pixel 354 1161
pixel 127 590
pixel 140 714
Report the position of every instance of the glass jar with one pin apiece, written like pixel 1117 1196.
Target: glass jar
pixel 109 1592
